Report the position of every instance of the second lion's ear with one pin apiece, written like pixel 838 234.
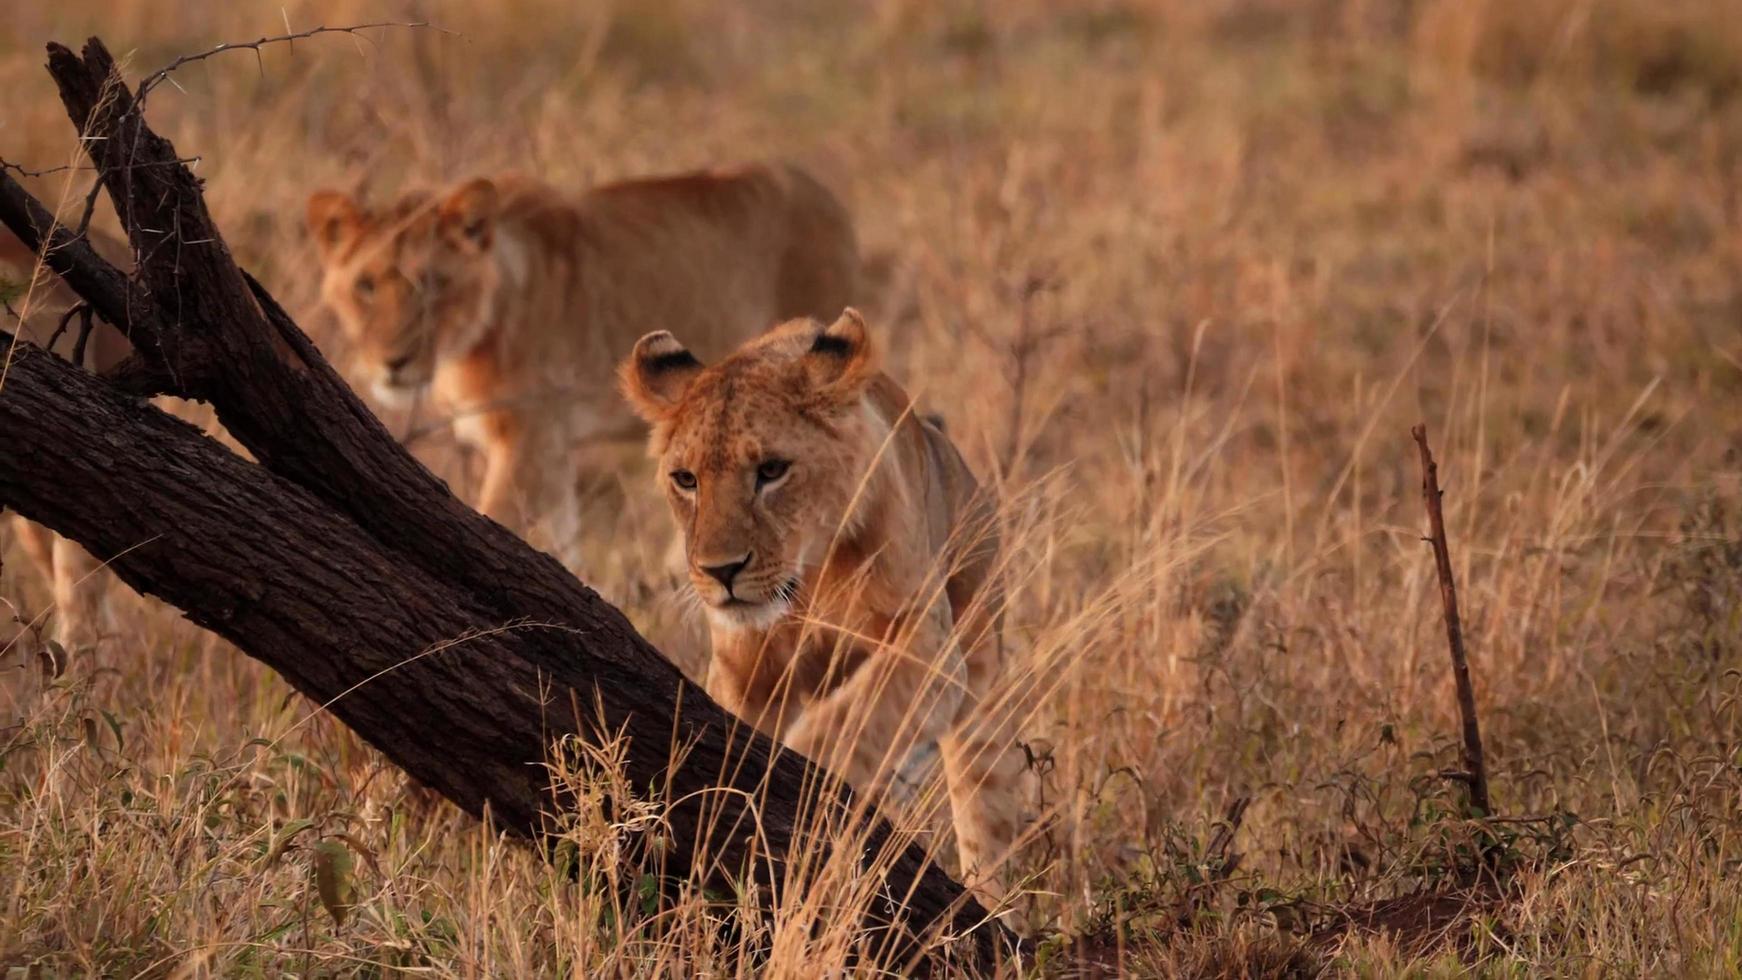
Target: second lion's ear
pixel 656 374
pixel 334 218
pixel 841 359
pixel 467 216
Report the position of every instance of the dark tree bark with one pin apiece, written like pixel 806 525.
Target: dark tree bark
pixel 337 556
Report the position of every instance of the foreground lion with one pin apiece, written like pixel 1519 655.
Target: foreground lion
pixel 511 303
pixel 845 558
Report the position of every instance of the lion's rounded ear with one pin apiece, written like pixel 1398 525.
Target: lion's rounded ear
pixel 656 374
pixel 334 219
pixel 841 359
pixel 467 216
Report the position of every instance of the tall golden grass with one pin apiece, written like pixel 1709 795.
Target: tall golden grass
pixel 1180 275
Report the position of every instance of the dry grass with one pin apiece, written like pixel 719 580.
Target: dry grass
pixel 1200 265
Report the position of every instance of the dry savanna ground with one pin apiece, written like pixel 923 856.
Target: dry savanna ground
pixel 1180 275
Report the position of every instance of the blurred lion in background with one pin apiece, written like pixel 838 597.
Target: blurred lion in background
pixel 510 303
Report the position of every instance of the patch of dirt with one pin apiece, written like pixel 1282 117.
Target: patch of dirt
pixel 1418 923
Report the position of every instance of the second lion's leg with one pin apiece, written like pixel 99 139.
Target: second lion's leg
pixel 549 480
pixel 74 578
pixel 37 542
pixel 562 519
pixel 78 594
pixel 500 436
pixel 499 498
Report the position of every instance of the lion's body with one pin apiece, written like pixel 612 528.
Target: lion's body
pixel 512 302
pixel 859 618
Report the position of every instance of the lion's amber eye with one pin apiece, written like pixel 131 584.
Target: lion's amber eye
pixel 684 479
pixel 365 286
pixel 771 470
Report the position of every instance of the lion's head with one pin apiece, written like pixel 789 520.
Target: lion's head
pixel 762 456
pixel 412 284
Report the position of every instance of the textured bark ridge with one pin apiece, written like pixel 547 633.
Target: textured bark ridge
pixel 337 558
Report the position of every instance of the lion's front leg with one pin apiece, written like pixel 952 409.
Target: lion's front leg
pixel 79 584
pixel 529 485
pixel 880 727
pixel 987 773
pixel 986 770
pixel 503 455
pixel 561 519
pixel 747 680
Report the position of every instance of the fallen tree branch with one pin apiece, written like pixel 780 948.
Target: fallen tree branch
pixel 102 286
pixel 1475 775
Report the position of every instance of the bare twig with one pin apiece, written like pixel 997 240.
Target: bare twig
pixel 1221 861
pixel 162 74
pixel 1220 850
pixel 90 205
pixel 65 320
pixel 24 171
pixel 1475 776
pixel 85 326
pixel 100 102
pixel 1023 351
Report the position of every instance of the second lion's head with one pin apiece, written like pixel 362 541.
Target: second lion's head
pixel 763 456
pixel 410 283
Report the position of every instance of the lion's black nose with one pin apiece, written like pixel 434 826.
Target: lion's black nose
pixel 725 573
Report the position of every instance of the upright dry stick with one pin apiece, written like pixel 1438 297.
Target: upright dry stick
pixel 1475 769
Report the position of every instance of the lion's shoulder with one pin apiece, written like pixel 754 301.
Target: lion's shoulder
pixel 931 462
